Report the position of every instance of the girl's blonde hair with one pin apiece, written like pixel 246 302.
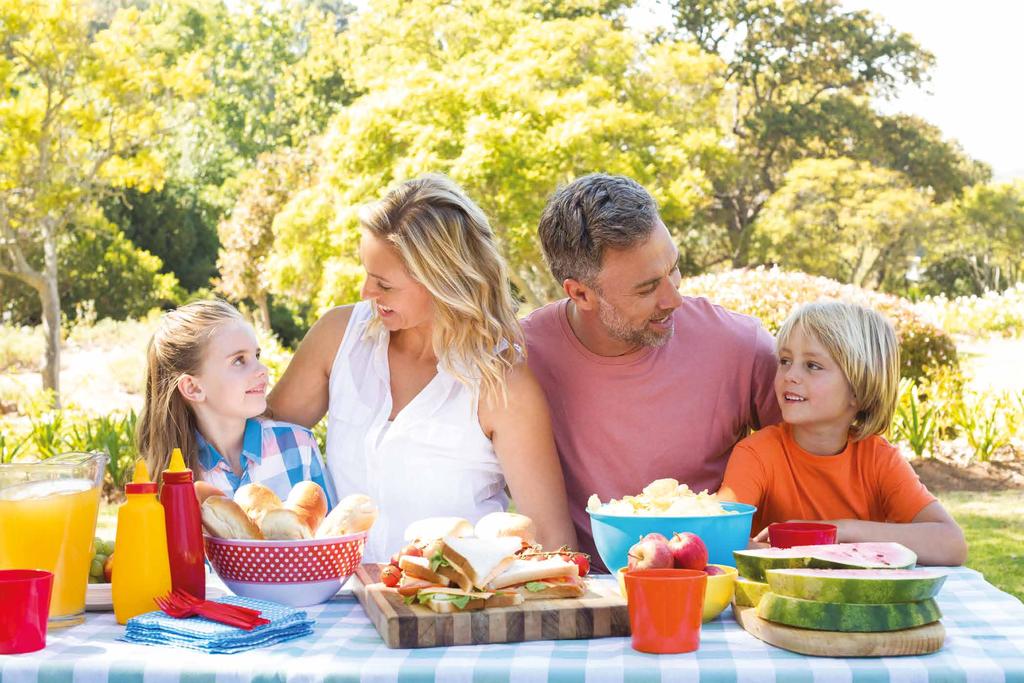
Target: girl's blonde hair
pixel 176 349
pixel 864 345
pixel 447 245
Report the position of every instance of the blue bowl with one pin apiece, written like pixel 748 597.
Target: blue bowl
pixel 614 535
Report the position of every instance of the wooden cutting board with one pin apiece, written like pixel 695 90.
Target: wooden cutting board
pixel 600 613
pixel 921 640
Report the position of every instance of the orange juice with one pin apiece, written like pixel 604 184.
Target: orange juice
pixel 50 525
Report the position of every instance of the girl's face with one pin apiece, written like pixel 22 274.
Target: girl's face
pixel 400 301
pixel 232 382
pixel 811 387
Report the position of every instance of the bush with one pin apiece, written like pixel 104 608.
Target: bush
pixel 772 294
pixel 994 313
pixel 21 348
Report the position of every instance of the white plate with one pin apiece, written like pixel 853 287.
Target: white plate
pixel 97 597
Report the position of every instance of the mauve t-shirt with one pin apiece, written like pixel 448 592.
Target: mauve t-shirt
pixel 674 411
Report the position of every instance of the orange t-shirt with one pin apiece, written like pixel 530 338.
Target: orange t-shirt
pixel 868 480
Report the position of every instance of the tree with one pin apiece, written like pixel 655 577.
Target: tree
pixel 82 109
pixel 982 245
pixel 247 235
pixel 509 104
pixel 846 220
pixel 801 74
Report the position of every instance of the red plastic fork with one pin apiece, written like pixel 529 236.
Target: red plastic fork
pixel 180 605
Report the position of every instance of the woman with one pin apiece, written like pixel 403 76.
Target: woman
pixel 431 407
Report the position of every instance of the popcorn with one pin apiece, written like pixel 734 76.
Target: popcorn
pixel 662 497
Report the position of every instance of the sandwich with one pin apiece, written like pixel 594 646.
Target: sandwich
pixel 448 600
pixel 479 560
pixel 545 579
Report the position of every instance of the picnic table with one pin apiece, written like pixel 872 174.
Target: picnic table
pixel 984 642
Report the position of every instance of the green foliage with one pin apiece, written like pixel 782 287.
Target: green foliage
pixel 772 294
pixel 800 75
pixel 916 420
pixel 845 220
pixel 175 224
pixel 19 347
pixel 994 313
pixel 509 104
pixel 51 431
pixel 983 232
pixel 981 419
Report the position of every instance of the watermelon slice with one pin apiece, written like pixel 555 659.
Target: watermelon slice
pixel 752 564
pixel 865 586
pixel 833 616
pixel 748 593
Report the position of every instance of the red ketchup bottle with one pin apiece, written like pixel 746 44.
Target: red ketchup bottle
pixel 184 528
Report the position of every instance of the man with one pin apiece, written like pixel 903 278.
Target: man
pixel 642 382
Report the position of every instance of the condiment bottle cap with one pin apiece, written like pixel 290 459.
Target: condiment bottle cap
pixel 177 462
pixel 141 482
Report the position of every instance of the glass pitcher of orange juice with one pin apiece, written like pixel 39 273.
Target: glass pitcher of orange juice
pixel 48 515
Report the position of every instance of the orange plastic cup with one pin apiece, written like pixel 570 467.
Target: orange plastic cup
pixel 665 607
pixel 789 534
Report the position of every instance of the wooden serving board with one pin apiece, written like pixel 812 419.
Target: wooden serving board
pixel 921 640
pixel 600 613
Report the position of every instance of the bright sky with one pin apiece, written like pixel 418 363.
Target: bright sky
pixel 975 93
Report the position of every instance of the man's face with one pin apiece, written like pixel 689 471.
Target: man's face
pixel 638 289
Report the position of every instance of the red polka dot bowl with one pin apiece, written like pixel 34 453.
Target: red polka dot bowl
pixel 296 573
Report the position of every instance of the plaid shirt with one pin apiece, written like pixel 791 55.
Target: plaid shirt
pixel 275 454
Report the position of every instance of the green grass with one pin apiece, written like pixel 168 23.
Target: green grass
pixel 995 535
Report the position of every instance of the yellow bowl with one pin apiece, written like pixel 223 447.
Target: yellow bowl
pixel 717 594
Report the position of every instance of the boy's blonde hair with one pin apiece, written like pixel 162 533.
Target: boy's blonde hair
pixel 447 245
pixel 864 345
pixel 176 349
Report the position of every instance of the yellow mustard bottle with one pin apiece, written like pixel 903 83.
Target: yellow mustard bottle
pixel 142 570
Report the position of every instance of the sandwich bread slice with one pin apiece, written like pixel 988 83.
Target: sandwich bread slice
pixel 541 579
pixel 480 559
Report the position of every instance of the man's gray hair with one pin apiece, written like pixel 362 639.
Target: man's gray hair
pixel 589 215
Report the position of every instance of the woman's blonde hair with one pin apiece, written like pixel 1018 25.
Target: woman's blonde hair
pixel 864 345
pixel 447 245
pixel 176 349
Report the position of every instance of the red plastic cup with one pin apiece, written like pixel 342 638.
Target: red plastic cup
pixel 665 607
pixel 789 534
pixel 24 609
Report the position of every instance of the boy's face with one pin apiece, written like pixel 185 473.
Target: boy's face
pixel 811 388
pixel 232 381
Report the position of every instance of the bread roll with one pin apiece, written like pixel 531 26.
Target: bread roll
pixel 499 524
pixel 223 518
pixel 308 501
pixel 353 514
pixel 284 525
pixel 205 489
pixel 431 528
pixel 256 500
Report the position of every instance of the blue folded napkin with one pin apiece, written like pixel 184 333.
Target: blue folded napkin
pixel 198 633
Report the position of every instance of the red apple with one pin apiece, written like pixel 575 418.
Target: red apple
pixel 654 535
pixel 712 570
pixel 650 554
pixel 688 551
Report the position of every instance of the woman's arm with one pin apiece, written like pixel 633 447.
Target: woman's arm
pixel 933 535
pixel 301 395
pixel 522 438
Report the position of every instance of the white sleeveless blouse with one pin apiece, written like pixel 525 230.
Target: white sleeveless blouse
pixel 432 460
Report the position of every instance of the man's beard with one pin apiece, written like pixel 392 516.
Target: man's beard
pixel 619 328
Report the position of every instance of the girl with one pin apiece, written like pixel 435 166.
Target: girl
pixel 430 406
pixel 837 384
pixel 205 388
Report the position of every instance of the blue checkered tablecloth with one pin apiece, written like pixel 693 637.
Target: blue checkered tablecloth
pixel 984 642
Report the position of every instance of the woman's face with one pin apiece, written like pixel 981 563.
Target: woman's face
pixel 400 301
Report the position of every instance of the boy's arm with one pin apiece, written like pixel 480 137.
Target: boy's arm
pixel 933 535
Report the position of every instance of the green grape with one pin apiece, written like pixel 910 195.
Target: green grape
pixel 107 548
pixel 96 568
